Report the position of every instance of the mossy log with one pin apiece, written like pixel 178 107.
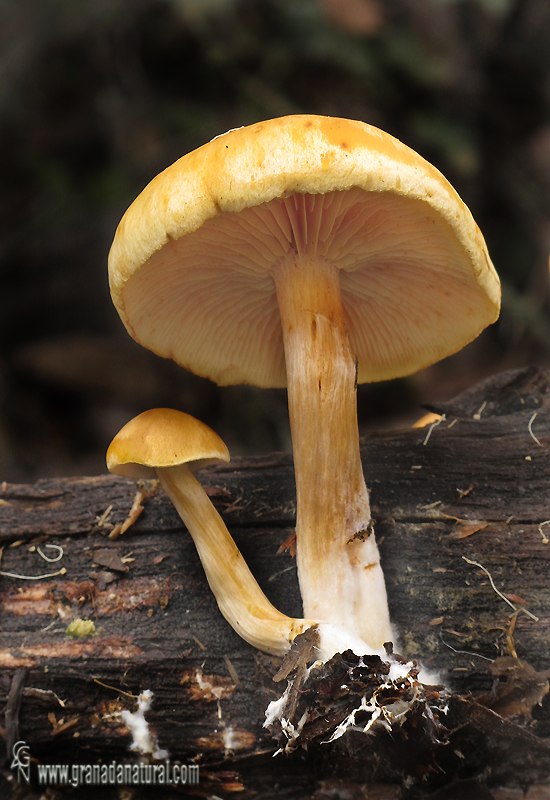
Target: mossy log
pixel 462 514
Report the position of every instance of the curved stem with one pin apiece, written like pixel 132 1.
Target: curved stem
pixel 240 599
pixel 339 570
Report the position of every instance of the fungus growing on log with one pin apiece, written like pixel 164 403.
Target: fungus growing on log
pixel 171 446
pixel 313 253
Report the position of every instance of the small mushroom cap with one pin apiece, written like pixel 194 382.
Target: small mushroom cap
pixel 163 437
pixel 191 264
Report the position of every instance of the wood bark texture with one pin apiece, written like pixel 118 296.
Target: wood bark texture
pixel 462 515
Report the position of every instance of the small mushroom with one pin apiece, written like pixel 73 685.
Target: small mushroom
pixel 171 446
pixel 315 253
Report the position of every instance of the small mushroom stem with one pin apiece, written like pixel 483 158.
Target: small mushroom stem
pixel 240 599
pixel 339 569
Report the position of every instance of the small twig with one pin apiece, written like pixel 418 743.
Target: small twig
pixel 103 518
pixel 502 596
pixel 234 506
pixel 432 426
pixel 463 652
pixel 13 705
pixel 510 635
pixel 61 727
pixel 287 569
pixel 58 557
pixel 133 514
pixel 51 625
pixel 543 536
pixel 32 691
pixel 479 412
pixel 114 689
pixel 486 571
pixel 529 428
pixel 62 571
pixel 233 672
pixel 433 505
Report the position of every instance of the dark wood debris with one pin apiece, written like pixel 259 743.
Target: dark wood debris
pixel 461 522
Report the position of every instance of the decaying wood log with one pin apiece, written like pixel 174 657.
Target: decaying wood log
pixel 462 516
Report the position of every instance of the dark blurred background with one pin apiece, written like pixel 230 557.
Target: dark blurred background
pixel 97 98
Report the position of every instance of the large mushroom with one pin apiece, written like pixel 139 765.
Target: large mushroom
pixel 172 446
pixel 310 252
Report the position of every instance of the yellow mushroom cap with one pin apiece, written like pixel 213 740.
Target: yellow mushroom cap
pixel 190 266
pixel 160 438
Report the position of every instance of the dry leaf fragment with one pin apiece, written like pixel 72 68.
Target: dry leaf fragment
pixel 515 599
pixel 217 493
pixel 426 420
pixel 518 687
pixel 289 544
pixel 468 529
pixel 106 557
